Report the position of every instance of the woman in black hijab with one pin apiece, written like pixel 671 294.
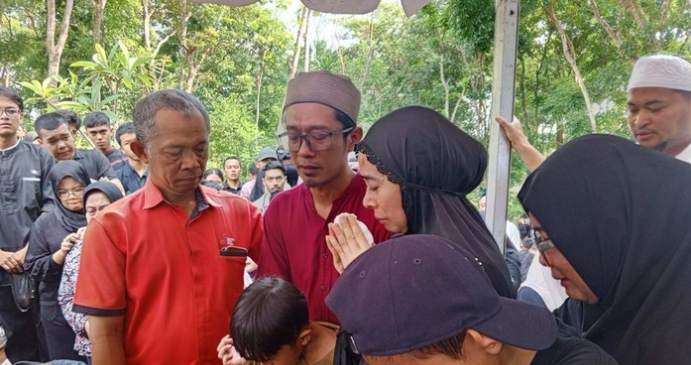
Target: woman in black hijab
pixel 419 167
pixel 619 215
pixel 49 243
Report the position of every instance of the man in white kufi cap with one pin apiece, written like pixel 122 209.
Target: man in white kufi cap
pixel 659 104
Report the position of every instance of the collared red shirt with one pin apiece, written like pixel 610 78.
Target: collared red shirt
pixel 130 179
pixel 25 193
pixel 147 260
pixel 95 163
pixel 294 245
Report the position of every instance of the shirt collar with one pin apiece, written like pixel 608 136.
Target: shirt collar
pixel 11 147
pixel 685 155
pixel 153 197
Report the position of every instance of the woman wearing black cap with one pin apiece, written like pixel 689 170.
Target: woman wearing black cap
pixel 419 167
pixel 615 220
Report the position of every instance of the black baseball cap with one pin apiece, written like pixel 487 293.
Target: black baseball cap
pixel 416 290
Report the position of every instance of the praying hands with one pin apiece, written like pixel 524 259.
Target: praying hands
pixel 347 239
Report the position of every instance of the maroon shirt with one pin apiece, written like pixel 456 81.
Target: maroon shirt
pixel 294 245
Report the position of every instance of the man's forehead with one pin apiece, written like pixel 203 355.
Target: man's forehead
pixel 60 131
pixel 310 116
pixel 645 95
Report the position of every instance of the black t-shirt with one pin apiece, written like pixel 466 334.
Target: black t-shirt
pixel 569 350
pixel 95 163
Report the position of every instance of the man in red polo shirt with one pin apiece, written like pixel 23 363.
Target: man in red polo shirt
pixel 320 117
pixel 162 269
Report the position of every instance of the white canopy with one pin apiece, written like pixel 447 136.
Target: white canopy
pixel 411 7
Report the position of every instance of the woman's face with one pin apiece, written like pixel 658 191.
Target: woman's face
pixel 575 286
pixel 96 202
pixel 384 197
pixel 70 191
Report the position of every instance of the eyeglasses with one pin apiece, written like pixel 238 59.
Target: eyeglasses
pixel 77 193
pixel 10 112
pixel 544 246
pixel 320 141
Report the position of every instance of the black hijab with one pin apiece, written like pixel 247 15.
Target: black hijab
pixel 70 220
pixel 107 188
pixel 436 164
pixel 621 215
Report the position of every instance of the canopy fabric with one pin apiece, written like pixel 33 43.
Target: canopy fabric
pixel 411 7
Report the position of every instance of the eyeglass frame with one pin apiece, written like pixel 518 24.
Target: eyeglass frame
pixel 15 111
pixel 304 138
pixel 544 246
pixel 66 193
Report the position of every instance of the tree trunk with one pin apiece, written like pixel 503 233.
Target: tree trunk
pixel 298 44
pixel 570 55
pixel 185 14
pixel 370 54
pixel 442 77
pixel 260 78
pixel 307 40
pixel 99 9
pixel 55 47
pixel 146 23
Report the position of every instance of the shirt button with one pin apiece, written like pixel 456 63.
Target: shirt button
pixel 323 287
pixel 326 255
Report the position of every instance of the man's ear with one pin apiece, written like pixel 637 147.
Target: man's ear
pixel 139 150
pixel 488 344
pixel 40 141
pixel 353 138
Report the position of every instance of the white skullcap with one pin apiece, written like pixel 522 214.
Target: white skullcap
pixel 669 72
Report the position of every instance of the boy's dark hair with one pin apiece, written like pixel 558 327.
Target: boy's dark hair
pixel 123 129
pixel 72 117
pixel 96 119
pixel 274 165
pixel 223 167
pixel 49 122
pixel 451 347
pixel 8 93
pixel 253 170
pixel 270 313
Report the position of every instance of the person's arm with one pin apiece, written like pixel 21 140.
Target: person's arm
pixel 532 158
pixel 39 259
pixel 257 237
pixel 47 197
pixel 106 172
pixel 107 340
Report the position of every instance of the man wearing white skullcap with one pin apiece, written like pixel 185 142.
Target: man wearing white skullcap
pixel 659 110
pixel 659 104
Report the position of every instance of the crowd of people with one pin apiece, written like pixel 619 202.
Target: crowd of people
pixel 142 255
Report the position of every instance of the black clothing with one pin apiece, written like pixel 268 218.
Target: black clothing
pixel 573 351
pixel 291 174
pixel 526 259
pixel 620 214
pixel 437 165
pixel 25 335
pixel 258 189
pixel 25 194
pixel 71 221
pixel 95 163
pixel 109 189
pixel 130 179
pixel 227 188
pixel 46 238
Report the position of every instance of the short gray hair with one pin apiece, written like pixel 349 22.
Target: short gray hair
pixel 146 109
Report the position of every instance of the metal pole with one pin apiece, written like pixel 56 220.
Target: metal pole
pixel 503 90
